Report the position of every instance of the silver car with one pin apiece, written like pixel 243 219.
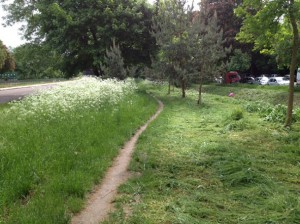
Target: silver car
pixel 262 80
pixel 278 81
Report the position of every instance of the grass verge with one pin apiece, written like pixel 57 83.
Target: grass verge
pixel 15 83
pixel 215 163
pixel 49 162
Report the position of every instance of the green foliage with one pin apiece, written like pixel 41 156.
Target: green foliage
pixel 191 47
pixel 171 29
pixel 209 51
pixel 3 55
pixel 239 61
pixel 227 20
pixel 272 113
pixel 277 113
pixel 237 114
pixel 113 63
pixel 267 24
pixel 7 61
pixel 82 31
pixel 36 61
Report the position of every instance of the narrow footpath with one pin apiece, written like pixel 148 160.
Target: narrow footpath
pixel 100 202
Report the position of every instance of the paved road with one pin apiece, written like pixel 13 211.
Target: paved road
pixel 17 93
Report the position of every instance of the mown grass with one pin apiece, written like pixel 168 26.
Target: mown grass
pixel 215 163
pixel 268 94
pixel 48 166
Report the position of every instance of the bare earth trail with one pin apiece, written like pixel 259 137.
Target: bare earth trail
pixel 99 203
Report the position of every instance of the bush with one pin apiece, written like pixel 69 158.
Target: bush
pixel 272 113
pixel 237 114
pixel 277 113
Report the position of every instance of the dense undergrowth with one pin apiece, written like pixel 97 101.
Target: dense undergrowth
pixel 214 163
pixel 56 145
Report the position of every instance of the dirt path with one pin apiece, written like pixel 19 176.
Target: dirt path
pixel 100 201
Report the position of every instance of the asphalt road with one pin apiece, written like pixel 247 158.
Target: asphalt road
pixel 17 93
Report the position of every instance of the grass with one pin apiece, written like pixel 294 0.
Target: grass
pixel 216 163
pixel 47 166
pixel 270 94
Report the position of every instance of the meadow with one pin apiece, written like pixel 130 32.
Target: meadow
pixel 56 145
pixel 229 160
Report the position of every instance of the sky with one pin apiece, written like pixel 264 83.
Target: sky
pixel 11 36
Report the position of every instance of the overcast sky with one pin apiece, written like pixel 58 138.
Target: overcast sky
pixel 11 36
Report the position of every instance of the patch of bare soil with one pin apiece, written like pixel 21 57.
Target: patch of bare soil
pixel 100 202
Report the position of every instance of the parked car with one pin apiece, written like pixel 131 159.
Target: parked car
pixel 232 77
pixel 278 81
pixel 248 80
pixel 262 80
pixel 219 79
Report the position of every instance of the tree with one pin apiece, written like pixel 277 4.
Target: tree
pixel 3 55
pixel 81 31
pixel 208 45
pixel 239 61
pixel 263 24
pixel 227 20
pixel 36 61
pixel 113 65
pixel 170 29
pixel 7 61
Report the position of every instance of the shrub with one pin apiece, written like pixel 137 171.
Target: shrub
pixel 270 112
pixel 237 114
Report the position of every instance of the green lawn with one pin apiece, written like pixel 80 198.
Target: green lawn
pixel 214 163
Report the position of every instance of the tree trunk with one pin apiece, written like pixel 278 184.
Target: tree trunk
pixel 173 89
pixel 199 96
pixel 288 121
pixel 169 89
pixel 183 88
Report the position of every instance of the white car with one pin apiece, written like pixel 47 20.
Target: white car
pixel 278 81
pixel 262 80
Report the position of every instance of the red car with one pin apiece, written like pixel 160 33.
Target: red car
pixel 232 77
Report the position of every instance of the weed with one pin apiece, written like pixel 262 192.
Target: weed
pixel 52 153
pixel 237 114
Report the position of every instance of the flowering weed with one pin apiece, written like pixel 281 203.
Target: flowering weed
pixel 73 97
pixel 56 145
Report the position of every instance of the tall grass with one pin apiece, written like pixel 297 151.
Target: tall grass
pixel 56 145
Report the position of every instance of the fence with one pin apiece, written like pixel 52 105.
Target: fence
pixel 8 75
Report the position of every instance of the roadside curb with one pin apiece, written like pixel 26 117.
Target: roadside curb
pixel 28 86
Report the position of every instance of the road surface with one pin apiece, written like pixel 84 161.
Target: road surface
pixel 17 93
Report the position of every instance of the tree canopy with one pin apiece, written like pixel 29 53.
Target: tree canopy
pixel 171 28
pixel 7 61
pixel 36 61
pixel 191 43
pixel 272 25
pixel 81 31
pixel 227 20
